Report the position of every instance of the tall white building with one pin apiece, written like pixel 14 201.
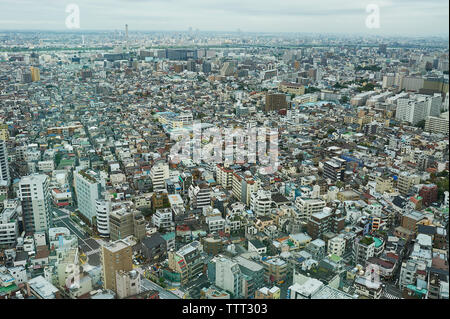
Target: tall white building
pixel 88 190
pixel 410 111
pixel 336 246
pixel 308 206
pixel 228 275
pixel 200 195
pixel 103 209
pixel 437 124
pixel 9 225
pixel 4 169
pixel 418 108
pixel 260 202
pixel 158 174
pixel 35 197
pixel 434 105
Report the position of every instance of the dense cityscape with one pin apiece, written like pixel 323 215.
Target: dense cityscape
pixel 95 203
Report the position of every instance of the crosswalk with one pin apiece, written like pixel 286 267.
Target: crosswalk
pixel 387 295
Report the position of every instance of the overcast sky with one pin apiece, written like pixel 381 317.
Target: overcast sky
pixel 397 17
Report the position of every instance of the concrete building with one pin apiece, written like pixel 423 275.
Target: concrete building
pixel 227 275
pixel 103 209
pixel 158 174
pixel 4 167
pixel 116 256
pixel 363 249
pixel 123 223
pixel 275 102
pixel 315 289
pixel 275 269
pixel 187 262
pixel 334 169
pixel 9 226
pixel 88 191
pixel 253 275
pixel 128 283
pixel 435 124
pixel 406 181
pixel 307 206
pixel 266 293
pixel 200 195
pixel 336 246
pixel 163 218
pixel 35 197
pixel 260 202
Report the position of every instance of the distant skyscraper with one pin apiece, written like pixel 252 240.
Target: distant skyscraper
pixel 4 169
pixel 35 74
pixel 126 34
pixel 206 67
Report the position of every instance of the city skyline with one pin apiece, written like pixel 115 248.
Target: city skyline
pixel 397 18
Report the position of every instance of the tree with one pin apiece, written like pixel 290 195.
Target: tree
pixel 344 99
pixel 421 124
pixel 331 131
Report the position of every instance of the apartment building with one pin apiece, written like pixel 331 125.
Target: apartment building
pixel 88 190
pixel 187 262
pixel 35 197
pixel 116 256
pixel 307 206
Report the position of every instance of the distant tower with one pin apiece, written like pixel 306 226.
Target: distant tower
pixel 126 34
pixel 82 38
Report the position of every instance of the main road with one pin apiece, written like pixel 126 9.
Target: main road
pixel 163 293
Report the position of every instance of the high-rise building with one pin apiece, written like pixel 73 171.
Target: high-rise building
pixel 200 194
pixel 4 132
pixel 334 169
pixel 275 101
pixel 116 256
pixel 158 174
pixel 103 210
pixel 429 194
pixel 88 190
pixel 4 167
pixel 382 48
pixel 308 206
pixel 36 199
pixel 206 67
pixel 260 202
pixel 253 275
pixel 437 124
pixel 35 74
pixel 325 221
pixel 406 181
pixel 123 223
pixel 227 275
pixel 187 262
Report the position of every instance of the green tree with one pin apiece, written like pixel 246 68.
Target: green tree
pixel 344 99
pixel 421 124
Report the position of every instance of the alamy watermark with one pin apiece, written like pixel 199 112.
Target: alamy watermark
pixel 210 144
pixel 73 19
pixel 373 19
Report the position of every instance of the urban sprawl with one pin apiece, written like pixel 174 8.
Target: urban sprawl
pixel 93 204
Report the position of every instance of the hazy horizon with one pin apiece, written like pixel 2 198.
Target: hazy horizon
pixel 397 17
